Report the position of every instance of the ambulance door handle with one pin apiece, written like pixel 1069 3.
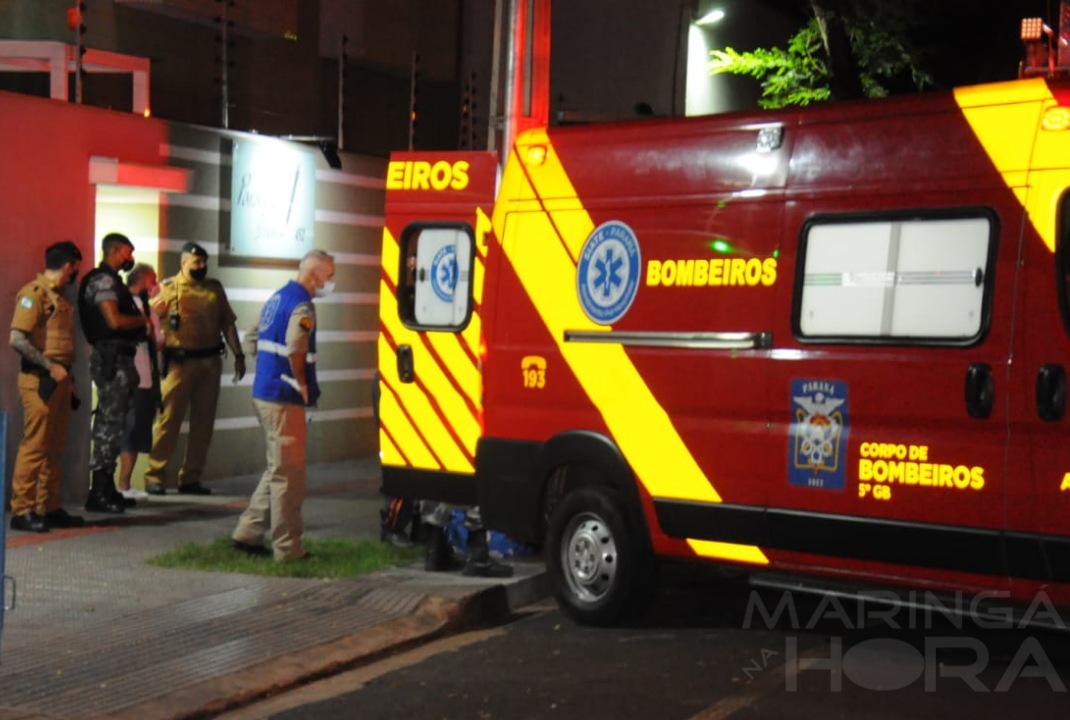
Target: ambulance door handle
pixel 980 390
pixel 406 370
pixel 1051 392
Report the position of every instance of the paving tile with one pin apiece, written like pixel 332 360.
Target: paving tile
pixel 97 632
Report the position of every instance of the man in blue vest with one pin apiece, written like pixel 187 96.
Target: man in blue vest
pixel 285 384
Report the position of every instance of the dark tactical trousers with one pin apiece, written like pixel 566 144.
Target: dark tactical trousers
pixel 114 396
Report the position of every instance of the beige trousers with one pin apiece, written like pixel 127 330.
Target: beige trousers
pixel 275 505
pixel 189 385
pixel 35 482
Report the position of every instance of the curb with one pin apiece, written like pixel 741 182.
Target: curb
pixel 436 616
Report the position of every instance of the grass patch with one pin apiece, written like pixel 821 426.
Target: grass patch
pixel 331 558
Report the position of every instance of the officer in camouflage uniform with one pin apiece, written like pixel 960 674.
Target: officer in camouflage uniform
pixel 196 318
pixel 114 326
pixel 42 332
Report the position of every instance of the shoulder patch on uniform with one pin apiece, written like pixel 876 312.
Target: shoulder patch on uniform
pixel 25 302
pixel 306 324
pixel 212 297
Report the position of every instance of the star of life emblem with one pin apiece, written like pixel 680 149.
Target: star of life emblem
pixel 607 274
pixel 444 273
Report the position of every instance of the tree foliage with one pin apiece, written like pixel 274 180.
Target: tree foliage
pixel 853 51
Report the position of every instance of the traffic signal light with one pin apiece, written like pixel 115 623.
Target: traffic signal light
pixel 223 59
pixel 76 22
pixel 343 59
pixel 473 106
pixel 414 88
pixel 75 16
pixel 468 112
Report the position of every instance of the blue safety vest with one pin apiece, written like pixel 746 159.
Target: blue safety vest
pixel 274 380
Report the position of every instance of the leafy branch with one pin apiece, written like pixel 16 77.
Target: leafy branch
pixel 800 73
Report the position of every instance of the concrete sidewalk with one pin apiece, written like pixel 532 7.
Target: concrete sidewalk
pixel 98 633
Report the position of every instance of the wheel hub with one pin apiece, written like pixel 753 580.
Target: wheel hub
pixel 591 558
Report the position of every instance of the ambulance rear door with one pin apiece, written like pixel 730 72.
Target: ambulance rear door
pixel 434 248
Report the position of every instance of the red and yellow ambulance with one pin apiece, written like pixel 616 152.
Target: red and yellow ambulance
pixel 830 342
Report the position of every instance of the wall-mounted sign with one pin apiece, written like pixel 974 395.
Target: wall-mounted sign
pixel 273 199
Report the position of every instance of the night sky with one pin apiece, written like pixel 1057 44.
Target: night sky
pixel 978 40
pixel 960 42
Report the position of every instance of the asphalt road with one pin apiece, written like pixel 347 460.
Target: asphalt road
pixel 706 651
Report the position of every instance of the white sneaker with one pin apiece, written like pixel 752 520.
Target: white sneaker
pixel 134 494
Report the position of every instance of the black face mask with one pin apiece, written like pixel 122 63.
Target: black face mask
pixel 74 279
pixel 127 265
pixel 199 274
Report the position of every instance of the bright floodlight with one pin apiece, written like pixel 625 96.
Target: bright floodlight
pixel 713 16
pixel 1032 29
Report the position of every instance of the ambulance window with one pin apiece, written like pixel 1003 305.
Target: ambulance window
pixel 434 280
pixel 895 279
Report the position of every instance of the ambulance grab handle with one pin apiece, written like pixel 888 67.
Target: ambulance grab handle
pixel 1051 392
pixel 980 390
pixel 687 340
pixel 406 370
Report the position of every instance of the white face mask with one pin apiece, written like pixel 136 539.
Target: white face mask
pixel 327 289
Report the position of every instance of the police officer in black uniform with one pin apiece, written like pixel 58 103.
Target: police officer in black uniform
pixel 113 325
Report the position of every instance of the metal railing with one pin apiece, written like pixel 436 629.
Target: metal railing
pixel 4 579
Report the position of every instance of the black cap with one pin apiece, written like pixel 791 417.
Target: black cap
pixel 194 249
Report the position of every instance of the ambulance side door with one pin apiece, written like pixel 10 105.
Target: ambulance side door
pixel 1038 537
pixel 891 376
pixel 889 392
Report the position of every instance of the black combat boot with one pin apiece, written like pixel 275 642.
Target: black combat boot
pixel 439 554
pixel 100 500
pixel 480 563
pixel 29 522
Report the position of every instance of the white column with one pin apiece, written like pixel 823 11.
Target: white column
pixel 57 71
pixel 141 91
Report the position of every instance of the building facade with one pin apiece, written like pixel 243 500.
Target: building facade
pixel 78 172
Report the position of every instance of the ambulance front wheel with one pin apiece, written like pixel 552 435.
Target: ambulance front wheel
pixel 600 572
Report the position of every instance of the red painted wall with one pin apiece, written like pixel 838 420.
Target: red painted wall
pixel 45 196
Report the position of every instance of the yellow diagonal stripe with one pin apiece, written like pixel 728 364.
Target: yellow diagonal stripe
pixel 389 454
pixel 426 420
pixel 464 371
pixel 1005 119
pixel 547 269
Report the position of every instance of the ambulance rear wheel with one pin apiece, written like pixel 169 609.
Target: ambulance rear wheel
pixel 601 573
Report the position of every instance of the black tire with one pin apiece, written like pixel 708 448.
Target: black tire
pixel 602 572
